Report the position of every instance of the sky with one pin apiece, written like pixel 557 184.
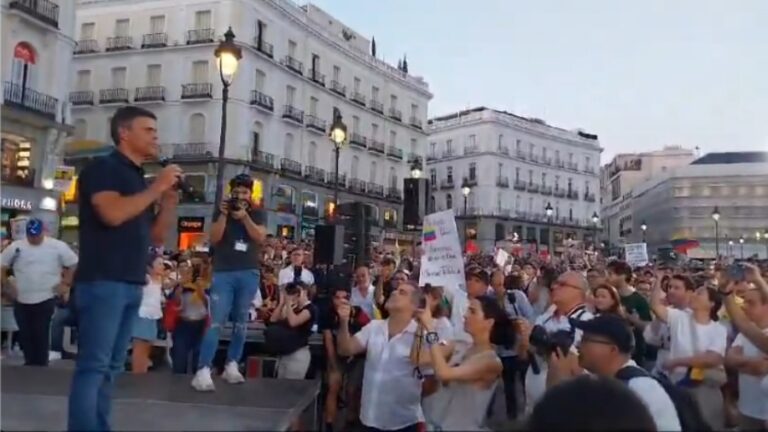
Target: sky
pixel 639 74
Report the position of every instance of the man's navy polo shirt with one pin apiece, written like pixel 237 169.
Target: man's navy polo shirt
pixel 112 253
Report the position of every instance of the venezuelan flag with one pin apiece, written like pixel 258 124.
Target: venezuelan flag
pixel 683 245
pixel 430 233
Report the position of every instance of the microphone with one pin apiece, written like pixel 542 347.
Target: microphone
pixel 181 185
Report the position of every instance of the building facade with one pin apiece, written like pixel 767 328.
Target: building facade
pixel 298 65
pixel 37 45
pixel 679 205
pixel 515 169
pixel 617 182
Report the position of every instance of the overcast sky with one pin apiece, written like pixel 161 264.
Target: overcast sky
pixel 640 74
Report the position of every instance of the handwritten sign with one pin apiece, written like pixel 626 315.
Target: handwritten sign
pixel 636 254
pixel 63 178
pixel 442 262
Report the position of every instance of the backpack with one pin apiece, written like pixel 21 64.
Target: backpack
pixel 688 411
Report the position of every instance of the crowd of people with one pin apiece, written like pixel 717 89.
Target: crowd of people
pixel 688 343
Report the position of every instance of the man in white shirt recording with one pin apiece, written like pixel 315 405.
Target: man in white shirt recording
pixel 296 272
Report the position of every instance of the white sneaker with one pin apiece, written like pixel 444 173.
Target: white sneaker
pixel 54 355
pixel 232 374
pixel 202 380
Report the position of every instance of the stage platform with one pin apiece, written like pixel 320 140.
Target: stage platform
pixel 36 399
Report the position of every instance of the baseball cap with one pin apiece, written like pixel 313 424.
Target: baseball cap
pixel 477 273
pixel 610 326
pixel 34 227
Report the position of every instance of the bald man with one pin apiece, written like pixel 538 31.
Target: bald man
pixel 568 295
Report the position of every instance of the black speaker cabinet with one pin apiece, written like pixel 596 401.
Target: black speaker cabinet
pixel 329 244
pixel 416 199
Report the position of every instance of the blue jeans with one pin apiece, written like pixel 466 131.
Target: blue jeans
pixel 105 313
pixel 60 317
pixel 231 296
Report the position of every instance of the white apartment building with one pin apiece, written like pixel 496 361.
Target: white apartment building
pixel 299 63
pixel 37 45
pixel 678 204
pixel 516 168
pixel 617 182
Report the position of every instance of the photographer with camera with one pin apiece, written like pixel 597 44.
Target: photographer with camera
pixel 236 235
pixel 552 335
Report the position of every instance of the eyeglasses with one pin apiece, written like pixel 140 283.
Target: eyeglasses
pixel 558 283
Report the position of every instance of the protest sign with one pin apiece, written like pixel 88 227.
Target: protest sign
pixel 636 254
pixel 63 177
pixel 442 262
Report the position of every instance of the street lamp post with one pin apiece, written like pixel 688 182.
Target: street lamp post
pixel 741 243
pixel 730 247
pixel 643 228
pixel 716 218
pixel 595 222
pixel 548 210
pixel 228 54
pixel 338 135
pixel 465 190
pixel 416 168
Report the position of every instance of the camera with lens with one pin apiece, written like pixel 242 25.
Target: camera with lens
pixel 233 204
pixel 547 343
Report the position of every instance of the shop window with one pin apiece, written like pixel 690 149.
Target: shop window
pixel 309 204
pixel 283 198
pixel 390 218
pixel 16 162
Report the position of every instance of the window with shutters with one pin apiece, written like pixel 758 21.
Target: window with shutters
pixel 87 31
pixel 118 77
pixel 200 72
pixel 433 176
pixel 157 24
pixel 336 73
pixel 355 124
pixel 290 95
pixel 356 85
pixel 393 138
pixel 313 106
pixel 122 27
pixel 312 154
pixel 374 93
pixel 374 131
pixel 292 48
pixel 355 166
pixel 448 201
pixel 288 146
pixel 392 177
pixel 197 128
pixel 83 80
pixel 154 73
pixel 259 81
pixel 373 173
pixel 202 20
pixel 393 101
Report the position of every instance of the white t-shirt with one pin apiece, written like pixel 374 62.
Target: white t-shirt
pixel 536 384
pixel 37 268
pixel 151 300
pixel 753 400
pixel 711 337
pixel 657 401
pixel 286 276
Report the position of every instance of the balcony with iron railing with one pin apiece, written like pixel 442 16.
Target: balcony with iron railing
pixel 415 122
pixel 395 114
pixel 26 99
pixel 375 189
pixel 533 157
pixel 356 185
pixel 449 153
pixel 533 187
pixel 154 40
pixel 471 149
pixel 502 181
pixel 432 157
pixel 200 36
pixel 358 140
pixel 114 96
pixel 264 47
pixel 149 94
pixel 86 46
pixel 520 185
pixel 520 154
pixel 81 98
pixel 413 157
pixel 572 194
pixel 263 159
pixel 546 160
pixel 314 174
pixel 193 150
pixel 315 124
pixel 338 88
pixel 290 166
pixel 376 146
pixel 503 150
pixel 317 77
pixel 119 43
pixel 197 91
pixel 559 163
pixel 546 190
pixel 394 152
pixel 447 183
pixel 589 170
pixel 394 193
pixel 42 10
pixel 589 197
pixel 342 179
pixel 293 114
pixel 293 65
pixel 262 100
pixel 358 98
pixel 559 192
pixel 376 106
pixel 572 166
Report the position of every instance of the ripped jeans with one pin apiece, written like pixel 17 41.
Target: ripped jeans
pixel 231 295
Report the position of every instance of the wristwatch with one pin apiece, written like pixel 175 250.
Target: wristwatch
pixel 432 338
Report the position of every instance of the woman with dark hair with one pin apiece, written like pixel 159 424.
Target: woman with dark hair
pixel 697 348
pixel 469 385
pixel 192 302
pixel 606 300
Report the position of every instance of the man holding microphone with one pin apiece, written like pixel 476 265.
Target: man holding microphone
pixel 120 219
